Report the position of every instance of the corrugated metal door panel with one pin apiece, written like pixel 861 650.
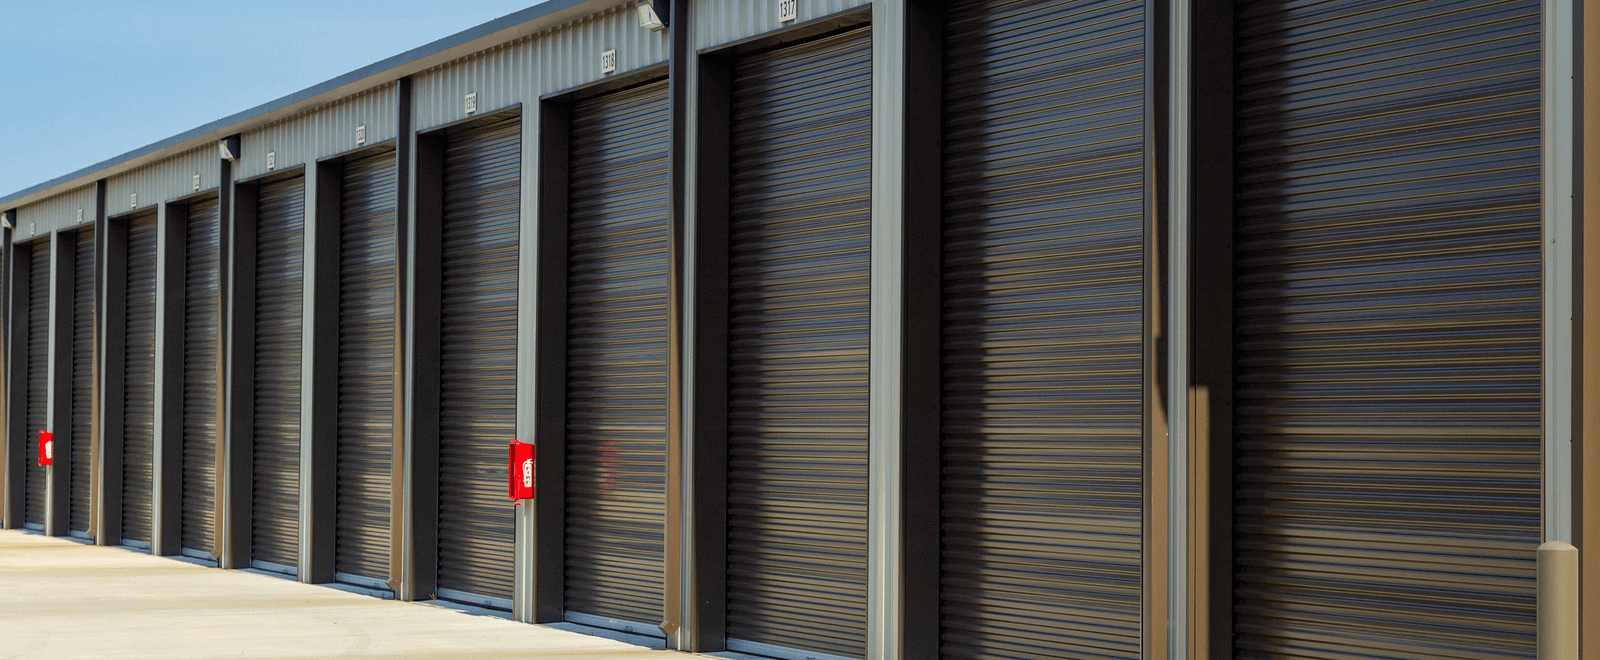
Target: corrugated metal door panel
pixel 479 361
pixel 798 301
pixel 38 381
pixel 617 356
pixel 139 381
pixel 366 367
pixel 202 316
pixel 1042 329
pixel 280 276
pixel 1387 329
pixel 82 381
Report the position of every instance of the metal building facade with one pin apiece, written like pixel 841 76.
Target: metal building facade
pixel 983 329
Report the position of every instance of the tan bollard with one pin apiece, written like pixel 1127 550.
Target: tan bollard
pixel 1558 601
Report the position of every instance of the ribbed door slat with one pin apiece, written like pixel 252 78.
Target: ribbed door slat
pixel 797 359
pixel 202 316
pixel 366 367
pixel 83 334
pixel 38 381
pixel 617 356
pixel 139 381
pixel 1042 329
pixel 1387 329
pixel 479 361
pixel 280 276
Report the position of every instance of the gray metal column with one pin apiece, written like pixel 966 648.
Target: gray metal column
pixel 1201 329
pixel 1156 463
pixel 697 479
pixel 319 402
pixel 679 56
pixel 421 256
pixel 96 419
pixel 1562 231
pixel 167 473
pixel 222 455
pixel 397 471
pixel 17 276
pixel 113 291
pixel 239 325
pixel 8 219
pixel 903 426
pixel 541 328
pixel 58 476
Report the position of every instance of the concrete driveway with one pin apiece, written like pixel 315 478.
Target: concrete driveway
pixel 61 599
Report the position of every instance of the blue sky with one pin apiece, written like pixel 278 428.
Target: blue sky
pixel 82 81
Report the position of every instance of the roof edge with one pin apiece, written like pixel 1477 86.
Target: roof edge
pixel 505 29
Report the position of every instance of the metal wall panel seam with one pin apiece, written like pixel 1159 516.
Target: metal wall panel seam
pixel 885 349
pixel 1559 132
pixel 1178 331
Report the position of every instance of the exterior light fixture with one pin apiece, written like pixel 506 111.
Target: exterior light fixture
pixel 655 14
pixel 228 148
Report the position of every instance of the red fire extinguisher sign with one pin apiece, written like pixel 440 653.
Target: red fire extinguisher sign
pixel 46 448
pixel 519 475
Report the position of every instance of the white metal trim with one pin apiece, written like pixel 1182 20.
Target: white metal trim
pixel 1177 330
pixel 886 345
pixel 1558 142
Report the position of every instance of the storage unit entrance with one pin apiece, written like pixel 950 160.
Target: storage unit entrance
pixel 616 358
pixel 798 277
pixel 478 361
pixel 1387 329
pixel 275 444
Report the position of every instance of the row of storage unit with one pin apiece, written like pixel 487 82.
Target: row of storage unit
pixel 981 329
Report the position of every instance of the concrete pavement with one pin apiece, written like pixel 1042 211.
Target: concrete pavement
pixel 61 599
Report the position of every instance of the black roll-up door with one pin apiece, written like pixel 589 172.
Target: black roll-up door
pixel 1387 364
pixel 280 243
pixel 38 382
pixel 797 357
pixel 1042 330
pixel 617 356
pixel 202 314
pixel 83 333
pixel 366 369
pixel 478 362
pixel 139 382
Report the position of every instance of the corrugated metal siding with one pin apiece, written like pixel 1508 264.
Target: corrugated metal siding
pixel 478 361
pixel 799 236
pixel 83 340
pixel 336 123
pixel 165 180
pixel 1387 329
pixel 280 282
pixel 551 61
pixel 717 22
pixel 202 316
pixel 617 356
pixel 293 141
pixel 366 367
pixel 139 381
pixel 38 412
pixel 1042 331
pixel 55 213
